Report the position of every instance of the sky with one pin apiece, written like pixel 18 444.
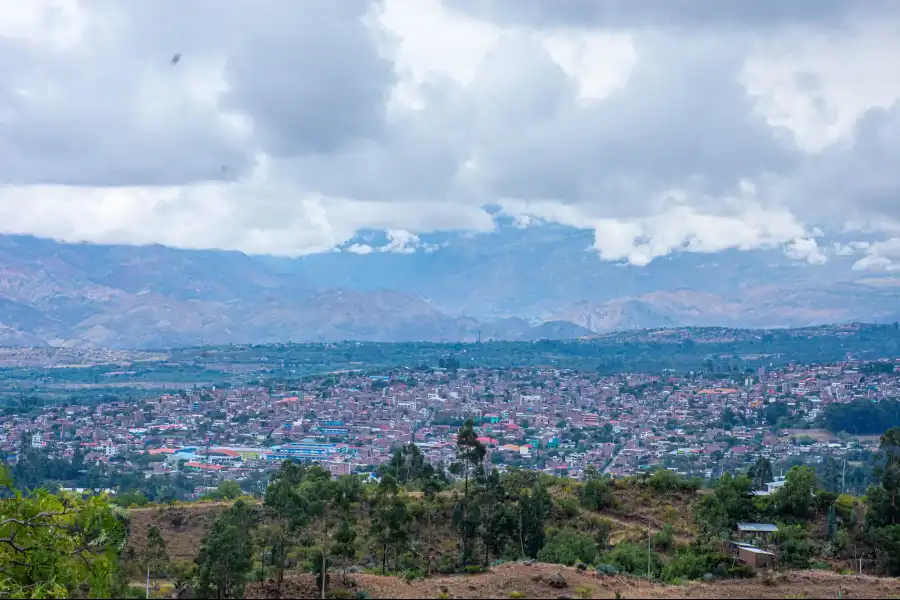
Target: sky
pixel 282 127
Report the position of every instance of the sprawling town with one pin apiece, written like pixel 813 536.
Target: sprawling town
pixel 556 421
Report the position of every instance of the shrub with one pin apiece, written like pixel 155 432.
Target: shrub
pixel 567 547
pixel 362 595
pixel 569 508
pixel 340 594
pixel 584 592
pixel 632 558
pixel 596 494
pixel 664 481
pixel 516 594
pixel 664 540
pixel 607 569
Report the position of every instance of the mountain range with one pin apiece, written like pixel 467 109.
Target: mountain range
pixel 513 283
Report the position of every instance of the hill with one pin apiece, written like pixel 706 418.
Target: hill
pixel 507 285
pixel 533 581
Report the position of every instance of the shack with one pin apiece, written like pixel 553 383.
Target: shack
pixel 756 530
pixel 753 557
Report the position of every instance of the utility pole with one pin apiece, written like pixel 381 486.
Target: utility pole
pixel 148 580
pixel 649 540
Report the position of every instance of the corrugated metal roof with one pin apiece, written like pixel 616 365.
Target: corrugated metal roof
pixel 758 527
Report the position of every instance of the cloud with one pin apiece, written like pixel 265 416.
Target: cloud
pixel 671 13
pixel 663 126
pixel 880 256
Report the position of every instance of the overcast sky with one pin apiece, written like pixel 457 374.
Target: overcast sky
pixel 284 126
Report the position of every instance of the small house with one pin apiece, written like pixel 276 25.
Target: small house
pixel 755 558
pixel 756 530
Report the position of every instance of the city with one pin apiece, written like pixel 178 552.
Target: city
pixel 556 421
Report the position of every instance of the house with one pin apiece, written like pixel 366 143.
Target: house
pixel 753 557
pixel 756 530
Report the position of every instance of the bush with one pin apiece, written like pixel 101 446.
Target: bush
pixel 472 569
pixel 569 508
pixel 515 594
pixel 566 547
pixel 584 592
pixel 795 550
pixel 362 595
pixel 607 569
pixel 632 558
pixel 664 540
pixel 596 494
pixel 664 482
pixel 741 572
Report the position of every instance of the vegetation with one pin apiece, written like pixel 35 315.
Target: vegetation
pixel 417 520
pixel 862 417
pixel 56 545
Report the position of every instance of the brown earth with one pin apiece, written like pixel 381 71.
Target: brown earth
pixel 182 527
pixel 535 581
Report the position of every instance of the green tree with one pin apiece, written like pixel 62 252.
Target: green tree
pixel 470 455
pixel 389 530
pixel 228 490
pixel 287 516
pixel 226 554
pixel 884 498
pixel 156 555
pixel 796 498
pixel 731 502
pixel 56 545
pixel 344 547
pixel 760 473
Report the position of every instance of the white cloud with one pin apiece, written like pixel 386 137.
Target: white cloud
pixel 286 128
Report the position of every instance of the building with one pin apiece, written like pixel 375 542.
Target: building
pixel 756 530
pixel 755 558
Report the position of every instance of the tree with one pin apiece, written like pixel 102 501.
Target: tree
pixel 731 503
pixel 156 555
pixel 796 498
pixel 831 475
pixel 760 473
pixel 884 498
pixel 226 554
pixel 228 490
pixel 470 455
pixel 344 547
pixel 56 545
pixel 390 520
pixel 286 516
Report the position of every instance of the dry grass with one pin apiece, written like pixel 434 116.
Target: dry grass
pixel 534 582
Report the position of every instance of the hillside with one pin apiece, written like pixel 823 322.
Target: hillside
pixel 533 581
pixel 545 285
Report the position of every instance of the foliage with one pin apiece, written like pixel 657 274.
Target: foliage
pixel 760 473
pixel 731 502
pixel 57 545
pixel 632 558
pixel 664 481
pixel 226 554
pixel 795 548
pixel 567 547
pixel 884 499
pixel 886 541
pixel 795 498
pixel 862 417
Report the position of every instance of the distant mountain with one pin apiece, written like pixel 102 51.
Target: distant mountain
pixel 152 296
pixel 513 284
